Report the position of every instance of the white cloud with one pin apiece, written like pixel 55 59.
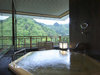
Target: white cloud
pixel 51 22
pixel 64 22
pixel 3 17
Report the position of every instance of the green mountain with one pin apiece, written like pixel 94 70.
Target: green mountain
pixel 26 27
pixel 29 27
pixel 60 29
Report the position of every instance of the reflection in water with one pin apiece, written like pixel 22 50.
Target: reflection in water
pixel 63 52
pixel 50 59
pixel 67 60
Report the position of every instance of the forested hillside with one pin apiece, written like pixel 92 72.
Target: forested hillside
pixel 62 30
pixel 29 27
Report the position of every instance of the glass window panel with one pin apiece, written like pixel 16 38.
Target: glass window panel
pixel 5 30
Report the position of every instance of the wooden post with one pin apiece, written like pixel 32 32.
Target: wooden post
pixel 59 38
pixel 18 42
pixel 30 42
pixel 46 38
pixel 41 39
pixel 25 42
pixel 36 41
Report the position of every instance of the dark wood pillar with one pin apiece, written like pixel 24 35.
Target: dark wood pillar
pixel 13 28
pixel 85 11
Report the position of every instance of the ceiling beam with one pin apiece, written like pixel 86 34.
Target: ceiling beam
pixel 36 14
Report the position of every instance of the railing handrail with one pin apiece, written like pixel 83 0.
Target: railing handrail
pixel 33 36
pixel 23 39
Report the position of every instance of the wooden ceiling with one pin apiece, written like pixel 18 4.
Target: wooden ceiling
pixel 46 8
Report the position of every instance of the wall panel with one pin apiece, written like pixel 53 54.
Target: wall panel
pixel 88 11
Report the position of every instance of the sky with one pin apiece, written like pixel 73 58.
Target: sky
pixel 3 17
pixel 45 21
pixel 51 22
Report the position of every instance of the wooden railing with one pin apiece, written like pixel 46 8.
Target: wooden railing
pixel 32 41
